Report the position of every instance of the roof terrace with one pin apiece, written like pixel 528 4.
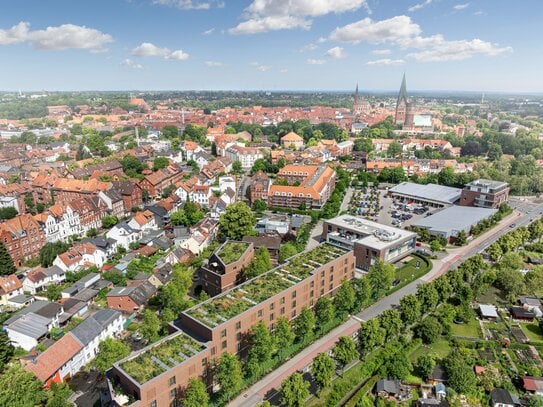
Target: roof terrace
pixel 232 251
pixel 223 307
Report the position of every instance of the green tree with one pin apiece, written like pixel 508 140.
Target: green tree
pixel 260 263
pixel 380 276
pixel 174 295
pixel 447 176
pixel 324 312
pixel 461 239
pixel 170 132
pixel 294 390
pixel 363 292
pixel 150 326
pixel 109 221
pixel 8 213
pixel 50 251
pixel 394 149
pixel 259 165
pixel 287 250
pixel 237 221
pixel 261 349
pixel 132 167
pixel 229 375
pixel 6 262
pixel 410 309
pixel 53 292
pixel 110 351
pixel 20 388
pixel 344 298
pixel 259 205
pixel 398 366
pixel 391 321
pixel 6 350
pixel 428 296
pixel 460 374
pixel 510 282
pixel 283 335
pixel 345 351
pixel 322 370
pixel 304 324
pixel 428 330
pixel 435 245
pixel 371 335
pixel 236 166
pixel 196 394
pixel 425 365
pixel 58 395
pixel 160 163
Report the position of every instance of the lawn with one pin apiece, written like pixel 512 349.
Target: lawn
pixel 532 331
pixel 410 272
pixel 492 295
pixel 439 350
pixel 469 330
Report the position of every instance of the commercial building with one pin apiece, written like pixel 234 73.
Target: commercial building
pixel 485 193
pixel 449 222
pixel 224 268
pixel 155 375
pixel 369 240
pixel 311 185
pixel 429 194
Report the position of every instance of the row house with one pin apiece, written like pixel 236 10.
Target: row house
pixel 23 238
pixel 113 201
pixel 90 211
pixel 259 187
pixel 143 221
pixel 113 168
pixel 191 149
pixel 156 182
pixel 10 286
pixel 221 165
pixel 41 186
pixel 245 155
pixel 81 256
pixel 131 194
pixel 38 280
pixel 124 234
pixel 59 223
pixel 201 235
pixel 18 192
pixel 67 190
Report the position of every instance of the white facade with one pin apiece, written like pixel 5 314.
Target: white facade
pixel 61 228
pixel 123 235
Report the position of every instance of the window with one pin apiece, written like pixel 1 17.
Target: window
pixel 223 345
pixel 204 362
pixel 293 313
pixel 213 351
pixel 311 293
pixel 331 277
pixel 223 333
pixel 272 306
pixel 293 304
pixel 173 393
pixel 294 294
pixel 259 313
pixel 322 273
pixel 332 269
pixel 331 287
pixel 282 310
pixel 171 382
pixel 282 300
pixel 238 325
pixel 322 282
pixel 153 404
pixel 312 284
pixel 238 336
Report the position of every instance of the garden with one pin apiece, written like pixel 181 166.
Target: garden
pixel 232 251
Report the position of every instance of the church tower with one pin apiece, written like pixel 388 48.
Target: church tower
pixel 360 104
pixel 402 103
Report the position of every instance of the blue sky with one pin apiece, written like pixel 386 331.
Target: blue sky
pixel 480 45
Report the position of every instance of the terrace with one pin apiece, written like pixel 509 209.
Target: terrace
pixel 232 251
pixel 220 309
pixel 161 357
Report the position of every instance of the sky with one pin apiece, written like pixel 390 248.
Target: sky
pixel 477 45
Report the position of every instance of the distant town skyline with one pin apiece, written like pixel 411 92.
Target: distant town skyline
pixel 326 45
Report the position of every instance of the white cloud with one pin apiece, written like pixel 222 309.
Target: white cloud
pixel 377 32
pixel 418 6
pixel 321 40
pixel 213 63
pixel 131 64
pixel 261 67
pixel 208 32
pixel 336 53
pixel 381 52
pixel 190 4
pixel 312 61
pixel 459 7
pixel 309 47
pixel 147 49
pixel 272 15
pixel 386 61
pixel 479 13
pixel 65 36
pixel 283 70
pixel 459 50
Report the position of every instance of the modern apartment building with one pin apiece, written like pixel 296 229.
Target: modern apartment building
pixel 155 375
pixel 309 184
pixel 369 240
pixel 485 193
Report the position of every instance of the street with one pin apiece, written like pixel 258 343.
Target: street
pixel 267 386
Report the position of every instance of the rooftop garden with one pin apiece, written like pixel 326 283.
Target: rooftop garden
pixel 226 306
pixel 232 251
pixel 160 358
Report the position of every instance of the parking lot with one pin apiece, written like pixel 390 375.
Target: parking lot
pixel 396 213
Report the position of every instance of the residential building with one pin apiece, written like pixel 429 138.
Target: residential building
pixel 245 155
pixel 143 221
pixel 369 240
pixel 81 256
pixel 23 238
pixel 68 190
pixel 485 193
pixel 259 187
pixel 292 141
pixel 131 193
pixel 124 234
pixel 307 185
pixel 10 286
pixel 60 223
pixel 503 398
pixel 38 280
pixel 130 299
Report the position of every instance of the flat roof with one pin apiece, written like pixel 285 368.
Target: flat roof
pixel 376 235
pixel 454 218
pixel 488 183
pixel 428 192
pixel 488 311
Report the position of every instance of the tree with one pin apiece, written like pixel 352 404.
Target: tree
pixel 229 375
pixel 344 298
pixel 54 292
pixel 260 263
pixel 8 213
pixel 370 335
pixel 380 276
pixel 160 163
pixel 174 294
pixel 6 262
pixel 58 395
pixel 461 239
pixel 363 292
pixel 236 166
pixel 150 327
pixel 294 390
pixel 398 366
pixel 110 351
pixel 324 311
pixel 50 251
pixel 394 149
pixel 447 176
pixel 304 324
pixel 283 335
pixel 287 250
pixel 259 205
pixel 391 321
pixel 19 387
pixel 6 350
pixel 425 365
pixel 196 394
pixel 435 245
pixel 170 132
pixel 460 374
pixel 259 165
pixel 511 282
pixel 410 309
pixel 262 347
pixel 428 296
pixel 428 330
pixel 132 167
pixel 322 370
pixel 109 221
pixel 345 350
pixel 237 221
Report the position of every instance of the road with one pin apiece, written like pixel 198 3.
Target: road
pixel 268 385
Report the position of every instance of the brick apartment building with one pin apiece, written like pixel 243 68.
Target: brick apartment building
pixel 66 190
pixel 309 184
pixel 225 267
pixel 259 187
pixel 23 238
pixel 131 194
pixel 158 181
pixel 485 193
pixel 223 322
pixel 369 240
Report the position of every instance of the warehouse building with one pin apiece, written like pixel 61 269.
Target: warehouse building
pixel 437 196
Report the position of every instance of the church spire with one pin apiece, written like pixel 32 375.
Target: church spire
pixel 402 96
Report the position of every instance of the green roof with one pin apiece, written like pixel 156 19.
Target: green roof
pixel 161 357
pixel 223 307
pixel 232 251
